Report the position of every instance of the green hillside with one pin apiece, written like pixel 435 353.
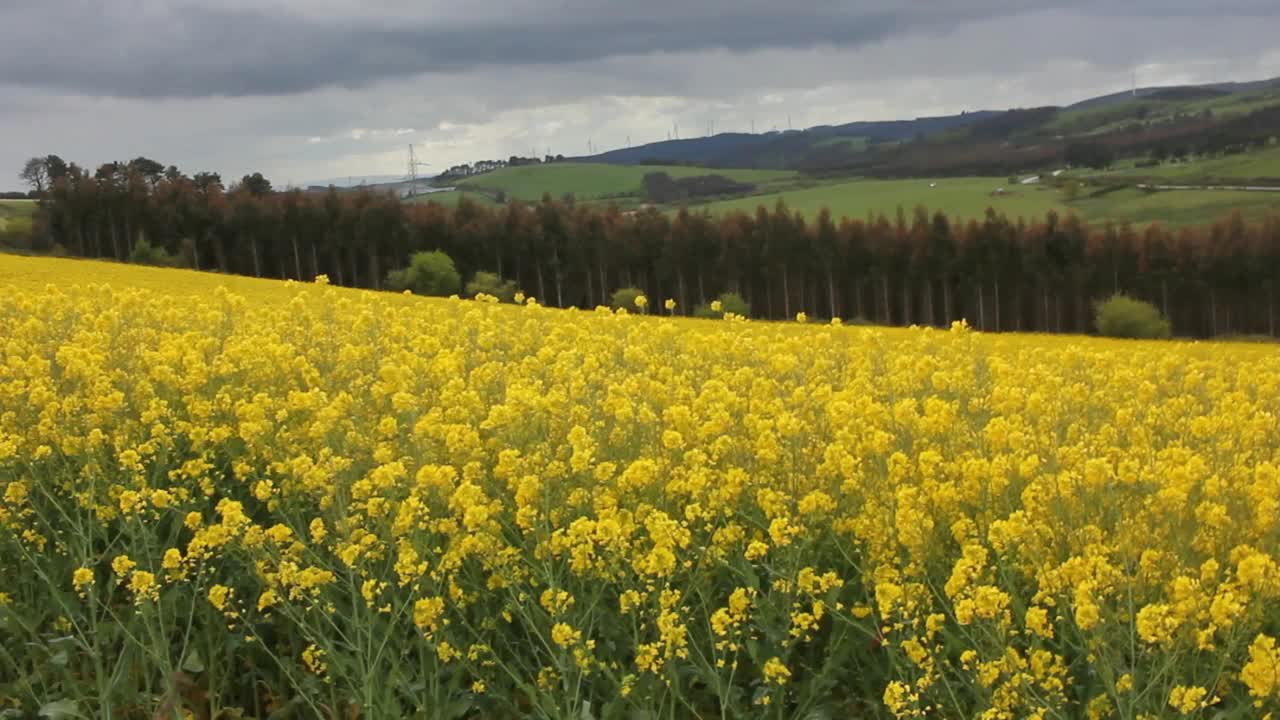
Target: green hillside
pixel 961 198
pixel 854 143
pixel 964 198
pixel 1154 111
pixel 958 197
pixel 1175 207
pixel 1244 166
pixel 451 198
pixel 16 216
pixel 593 181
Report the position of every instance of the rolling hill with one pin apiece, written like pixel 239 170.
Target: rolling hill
pixel 1221 134
pixel 989 142
pixel 594 181
pixel 959 198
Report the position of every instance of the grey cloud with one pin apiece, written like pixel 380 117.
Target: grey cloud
pixel 149 48
pixel 494 104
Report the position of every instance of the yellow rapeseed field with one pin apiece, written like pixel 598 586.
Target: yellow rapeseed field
pixel 228 498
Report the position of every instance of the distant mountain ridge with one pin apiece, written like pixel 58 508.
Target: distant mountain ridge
pixel 748 150
pixel 848 145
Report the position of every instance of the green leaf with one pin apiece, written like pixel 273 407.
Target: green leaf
pixel 457 709
pixel 59 658
pixel 193 662
pixel 60 709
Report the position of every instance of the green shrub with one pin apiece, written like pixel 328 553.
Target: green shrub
pixel 398 280
pixel 144 253
pixel 625 298
pixel 429 273
pixel 730 302
pixel 492 284
pixel 1124 317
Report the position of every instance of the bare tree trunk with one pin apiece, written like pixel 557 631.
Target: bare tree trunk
pixel 786 294
pixel 1164 296
pixel 831 293
pixel 115 240
pixel 604 286
pixel 946 300
pixel 220 253
pixel 80 241
pixel 702 289
pixel 590 291
pixel 906 301
pixel 559 295
pixel 1082 322
pixel 928 302
pixel 355 272
pixel 315 261
pixel 888 316
pixel 297 259
pixel 982 310
pixel 253 250
pixel 1213 311
pixel 857 298
pixel 680 287
pixel 1044 292
pixel 1271 308
pixel 996 282
pixel 542 288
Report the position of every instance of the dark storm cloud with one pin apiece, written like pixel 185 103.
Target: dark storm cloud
pixel 141 48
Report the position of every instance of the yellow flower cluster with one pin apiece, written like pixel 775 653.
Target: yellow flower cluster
pixel 389 505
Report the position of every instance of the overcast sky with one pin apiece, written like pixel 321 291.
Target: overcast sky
pixel 310 89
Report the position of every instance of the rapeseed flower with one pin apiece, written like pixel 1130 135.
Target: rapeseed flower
pixel 352 483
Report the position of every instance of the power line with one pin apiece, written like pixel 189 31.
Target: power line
pixel 414 164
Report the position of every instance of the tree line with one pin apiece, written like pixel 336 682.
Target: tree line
pixel 908 267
